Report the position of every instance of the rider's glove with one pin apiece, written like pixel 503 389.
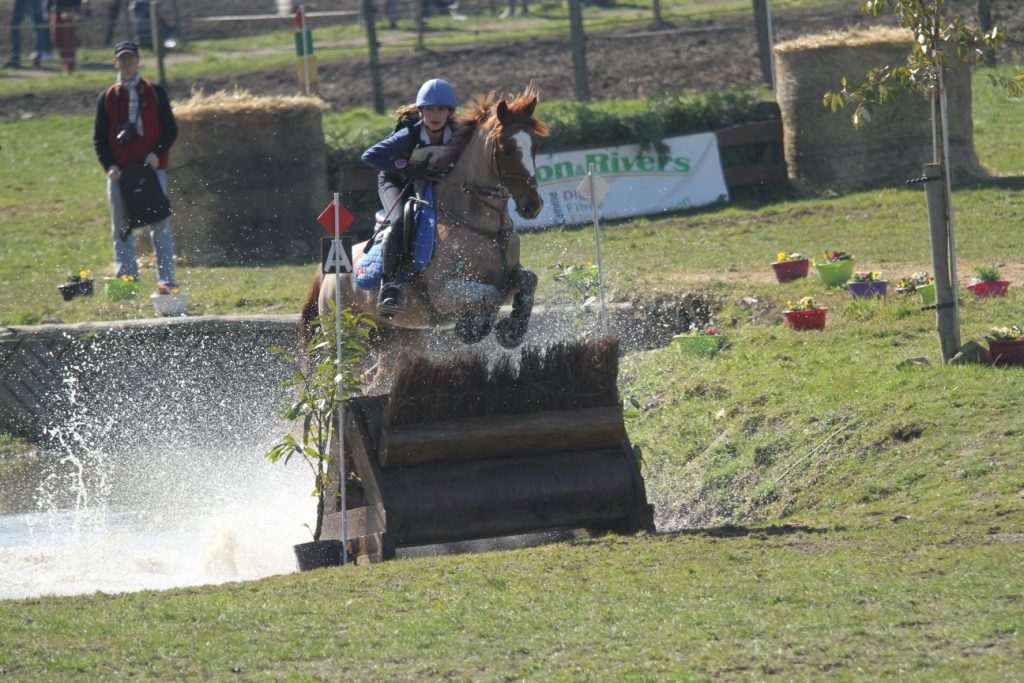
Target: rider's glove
pixel 414 172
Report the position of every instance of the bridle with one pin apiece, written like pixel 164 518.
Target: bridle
pixel 500 191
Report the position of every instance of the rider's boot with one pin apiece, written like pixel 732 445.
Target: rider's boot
pixel 392 297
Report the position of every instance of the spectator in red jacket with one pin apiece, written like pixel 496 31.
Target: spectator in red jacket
pixel 134 126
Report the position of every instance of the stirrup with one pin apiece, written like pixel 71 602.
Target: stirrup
pixel 393 299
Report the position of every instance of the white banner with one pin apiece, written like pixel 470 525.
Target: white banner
pixel 691 175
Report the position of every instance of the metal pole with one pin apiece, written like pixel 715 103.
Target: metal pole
pixel 597 241
pixel 154 34
pixel 338 374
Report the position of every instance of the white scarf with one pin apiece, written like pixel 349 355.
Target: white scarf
pixel 133 100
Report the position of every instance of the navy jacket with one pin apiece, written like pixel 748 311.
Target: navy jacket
pixel 397 147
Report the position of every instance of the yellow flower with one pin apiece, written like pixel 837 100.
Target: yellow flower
pixel 781 256
pixel 127 278
pixel 85 274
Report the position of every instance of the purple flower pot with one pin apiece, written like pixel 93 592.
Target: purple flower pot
pixel 863 290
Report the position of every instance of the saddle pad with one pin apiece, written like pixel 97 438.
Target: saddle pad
pixel 371 266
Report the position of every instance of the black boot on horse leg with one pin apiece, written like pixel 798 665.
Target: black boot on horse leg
pixel 393 297
pixel 510 331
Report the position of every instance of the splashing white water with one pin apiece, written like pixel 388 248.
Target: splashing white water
pixel 157 481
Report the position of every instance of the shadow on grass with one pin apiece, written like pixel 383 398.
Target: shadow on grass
pixel 730 531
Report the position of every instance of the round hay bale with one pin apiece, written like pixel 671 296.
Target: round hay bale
pixel 823 150
pixel 248 178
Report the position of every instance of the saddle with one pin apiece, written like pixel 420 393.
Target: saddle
pixel 420 228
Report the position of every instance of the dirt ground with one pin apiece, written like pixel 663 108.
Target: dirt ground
pixel 701 56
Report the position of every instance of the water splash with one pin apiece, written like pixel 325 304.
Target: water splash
pixel 154 477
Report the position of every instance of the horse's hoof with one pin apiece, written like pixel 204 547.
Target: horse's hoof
pixel 510 332
pixel 472 328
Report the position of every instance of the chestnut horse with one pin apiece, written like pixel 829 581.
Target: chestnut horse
pixel 475 266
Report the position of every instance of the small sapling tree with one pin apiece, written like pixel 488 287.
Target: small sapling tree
pixel 937 38
pixel 318 394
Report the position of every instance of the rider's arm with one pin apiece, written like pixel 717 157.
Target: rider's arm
pixel 396 147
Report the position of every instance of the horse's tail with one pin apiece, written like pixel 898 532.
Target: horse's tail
pixel 310 311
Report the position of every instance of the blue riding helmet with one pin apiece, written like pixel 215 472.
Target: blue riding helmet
pixel 437 93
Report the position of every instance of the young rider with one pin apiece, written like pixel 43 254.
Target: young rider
pixel 435 105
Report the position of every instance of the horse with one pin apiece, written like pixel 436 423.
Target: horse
pixel 475 267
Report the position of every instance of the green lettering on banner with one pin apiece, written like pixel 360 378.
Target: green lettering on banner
pixel 681 164
pixel 600 162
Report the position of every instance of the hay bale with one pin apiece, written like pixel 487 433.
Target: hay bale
pixel 824 152
pixel 248 178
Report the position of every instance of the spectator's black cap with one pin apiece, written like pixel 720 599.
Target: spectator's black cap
pixel 126 46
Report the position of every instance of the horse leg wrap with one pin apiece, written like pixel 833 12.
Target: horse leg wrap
pixel 511 331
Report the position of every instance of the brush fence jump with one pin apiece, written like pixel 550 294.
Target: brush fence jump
pixel 491 475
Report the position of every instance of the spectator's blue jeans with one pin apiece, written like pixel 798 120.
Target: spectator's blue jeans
pixel 32 9
pixel 159 233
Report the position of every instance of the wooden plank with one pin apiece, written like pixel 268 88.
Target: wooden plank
pixel 362 521
pixel 501 436
pixel 750 134
pixel 755 174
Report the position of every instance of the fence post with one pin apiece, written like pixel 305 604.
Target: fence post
pixel 579 51
pixel 945 292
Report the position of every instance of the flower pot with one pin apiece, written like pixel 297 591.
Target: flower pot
pixel 863 290
pixel 318 554
pixel 927 293
pixel 994 288
pixel 1006 351
pixel 787 271
pixel 836 273
pixel 69 290
pixel 697 345
pixel 119 290
pixel 169 304
pixel 813 319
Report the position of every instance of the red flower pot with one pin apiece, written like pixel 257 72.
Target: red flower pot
pixel 1006 351
pixel 995 288
pixel 787 271
pixel 813 319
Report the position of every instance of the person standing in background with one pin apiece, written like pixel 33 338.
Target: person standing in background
pixel 63 19
pixel 113 14
pixel 34 10
pixel 135 126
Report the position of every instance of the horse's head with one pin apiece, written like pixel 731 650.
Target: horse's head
pixel 516 151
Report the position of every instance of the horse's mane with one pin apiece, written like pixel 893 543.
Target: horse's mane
pixel 481 113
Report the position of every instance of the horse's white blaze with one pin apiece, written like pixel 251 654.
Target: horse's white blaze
pixel 524 143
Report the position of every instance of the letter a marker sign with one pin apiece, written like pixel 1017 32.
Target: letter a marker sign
pixel 336 252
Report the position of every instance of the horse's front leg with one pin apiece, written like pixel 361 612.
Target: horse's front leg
pixel 511 331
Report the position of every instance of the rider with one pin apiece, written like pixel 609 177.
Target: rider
pixel 435 106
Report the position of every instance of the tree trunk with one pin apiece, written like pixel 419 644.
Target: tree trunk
pixel 579 51
pixel 656 10
pixel 985 24
pixel 762 22
pixel 371 38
